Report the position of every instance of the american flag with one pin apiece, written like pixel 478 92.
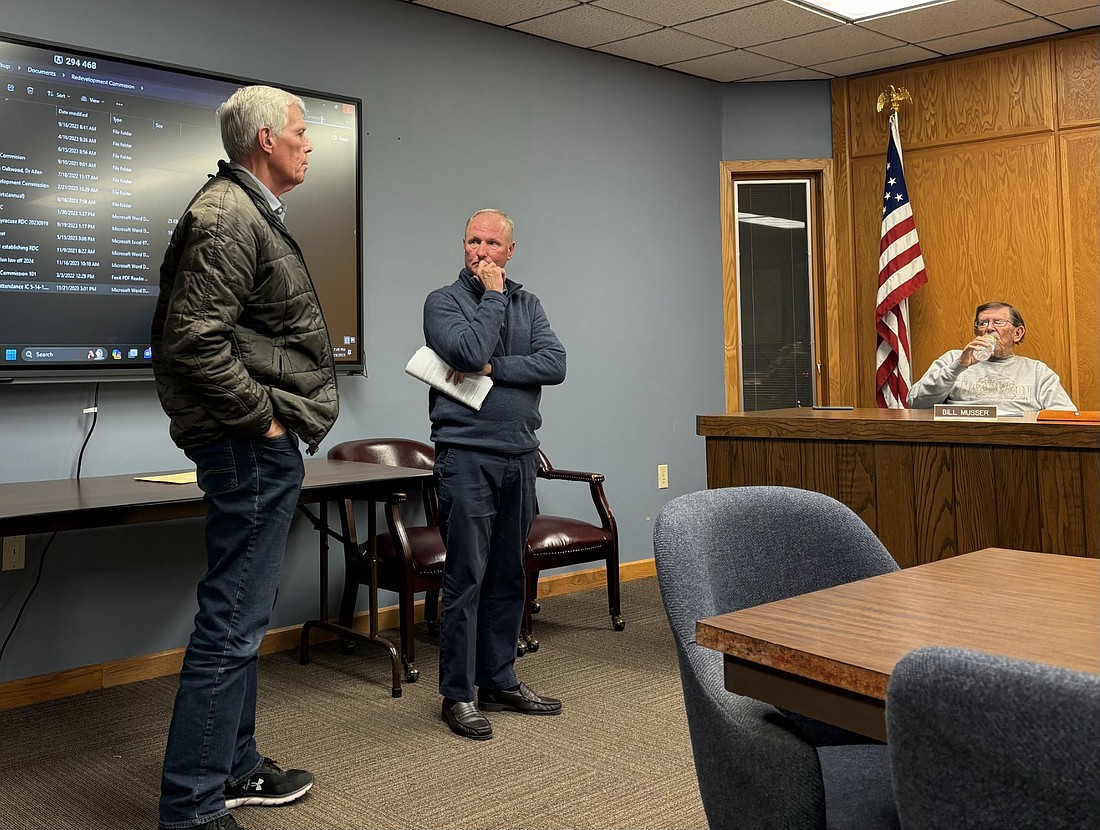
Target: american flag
pixel 900 273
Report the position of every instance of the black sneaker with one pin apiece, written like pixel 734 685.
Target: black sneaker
pixel 268 786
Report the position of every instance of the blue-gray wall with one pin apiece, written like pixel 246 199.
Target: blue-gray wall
pixel 610 169
pixel 777 120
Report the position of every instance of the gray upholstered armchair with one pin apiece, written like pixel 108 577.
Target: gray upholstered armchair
pixel 989 742
pixel 722 550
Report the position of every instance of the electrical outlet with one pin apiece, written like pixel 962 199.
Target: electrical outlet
pixel 15 552
pixel 662 476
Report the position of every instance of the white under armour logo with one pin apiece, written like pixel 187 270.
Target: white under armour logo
pixel 258 785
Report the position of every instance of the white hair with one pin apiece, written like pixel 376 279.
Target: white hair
pixel 248 110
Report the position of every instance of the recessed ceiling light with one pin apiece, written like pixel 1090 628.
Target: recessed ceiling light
pixel 864 9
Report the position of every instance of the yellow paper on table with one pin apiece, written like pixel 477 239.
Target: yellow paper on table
pixel 171 478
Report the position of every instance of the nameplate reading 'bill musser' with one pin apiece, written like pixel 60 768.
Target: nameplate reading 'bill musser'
pixel 952 412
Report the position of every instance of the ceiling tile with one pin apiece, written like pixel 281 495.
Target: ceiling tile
pixel 670 14
pixel 501 14
pixel 585 25
pixel 829 45
pixel 877 60
pixel 996 36
pixel 761 23
pixel 1046 8
pixel 1080 19
pixel 731 66
pixel 946 19
pixel 773 38
pixel 798 74
pixel 663 46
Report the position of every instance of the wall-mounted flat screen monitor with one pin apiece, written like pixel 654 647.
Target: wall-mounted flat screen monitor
pixel 99 156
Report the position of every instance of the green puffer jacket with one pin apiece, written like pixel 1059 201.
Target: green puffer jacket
pixel 238 336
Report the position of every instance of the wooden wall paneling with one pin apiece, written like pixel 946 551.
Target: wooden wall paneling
pixel 831 296
pixel 934 500
pixel 1001 162
pixel 976 495
pixel 1061 513
pixel 1077 64
pixel 855 468
pixel 894 500
pixel 1080 160
pixel 868 176
pixel 784 461
pixel 723 462
pixel 1090 491
pixel 1002 197
pixel 997 93
pixel 1016 475
pixel 848 383
pixel 756 459
pixel 989 223
pixel 819 469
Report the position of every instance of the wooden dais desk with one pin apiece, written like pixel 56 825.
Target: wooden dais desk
pixel 829 654
pixel 106 501
pixel 928 489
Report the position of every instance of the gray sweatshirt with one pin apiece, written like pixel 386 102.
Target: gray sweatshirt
pixel 1012 384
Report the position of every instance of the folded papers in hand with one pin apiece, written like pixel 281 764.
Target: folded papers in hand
pixel 427 366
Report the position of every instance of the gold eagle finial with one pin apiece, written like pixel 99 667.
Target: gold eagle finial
pixel 894 96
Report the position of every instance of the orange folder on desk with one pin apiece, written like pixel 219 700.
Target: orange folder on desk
pixel 1080 415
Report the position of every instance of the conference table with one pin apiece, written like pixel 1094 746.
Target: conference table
pixel 829 654
pixel 105 501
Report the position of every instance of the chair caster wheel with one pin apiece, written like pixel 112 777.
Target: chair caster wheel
pixel 412 674
pixel 532 644
pixel 536 606
pixel 618 623
pixel 521 648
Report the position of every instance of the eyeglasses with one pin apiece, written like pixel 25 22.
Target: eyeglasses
pixel 984 324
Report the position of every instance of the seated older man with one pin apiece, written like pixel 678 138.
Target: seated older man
pixel 1009 381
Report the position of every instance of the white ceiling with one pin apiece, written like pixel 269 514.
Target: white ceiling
pixel 775 40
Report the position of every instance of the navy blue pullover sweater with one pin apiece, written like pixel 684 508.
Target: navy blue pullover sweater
pixel 469 327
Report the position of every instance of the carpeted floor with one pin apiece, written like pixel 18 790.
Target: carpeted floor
pixel 618 757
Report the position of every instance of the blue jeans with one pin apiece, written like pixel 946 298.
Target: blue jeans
pixel 486 504
pixel 251 490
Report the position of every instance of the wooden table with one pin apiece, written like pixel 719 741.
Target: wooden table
pixel 829 654
pixel 928 489
pixel 105 501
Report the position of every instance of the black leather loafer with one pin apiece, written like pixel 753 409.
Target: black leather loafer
pixel 523 700
pixel 466 721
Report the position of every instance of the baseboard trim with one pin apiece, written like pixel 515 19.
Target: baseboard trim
pixel 39 688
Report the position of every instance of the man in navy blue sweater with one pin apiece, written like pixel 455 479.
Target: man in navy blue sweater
pixel 486 460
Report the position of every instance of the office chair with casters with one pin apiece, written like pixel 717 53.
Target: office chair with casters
pixel 986 741
pixel 409 557
pixel 726 549
pixel 557 541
